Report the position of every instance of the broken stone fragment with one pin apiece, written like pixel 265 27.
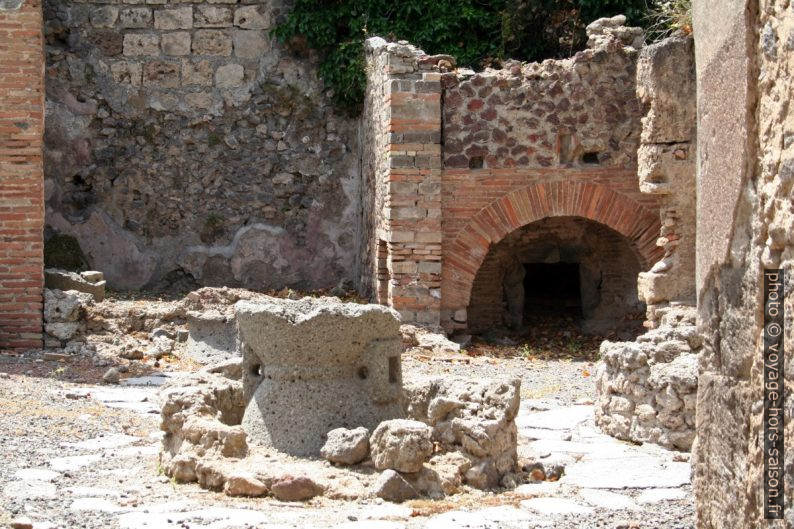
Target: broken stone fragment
pixel 401 444
pixel 347 447
pixel 391 486
pixel 65 280
pixel 65 306
pixel 244 484
pixel 290 488
pixel 111 376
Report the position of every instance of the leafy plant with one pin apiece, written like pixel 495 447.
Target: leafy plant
pixel 475 32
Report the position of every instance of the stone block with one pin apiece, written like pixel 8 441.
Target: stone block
pixel 212 17
pixel 137 44
pixel 229 76
pixel 109 41
pixel 126 72
pixel 176 43
pixel 402 445
pixel 429 267
pixel 197 73
pixel 332 364
pixel 104 16
pixel 403 267
pixel 174 18
pixel 135 18
pixel 250 44
pixel 164 74
pixel 212 42
pixel 65 306
pixel 212 336
pixel 252 17
pixel 199 100
pixel 64 280
pixel 346 447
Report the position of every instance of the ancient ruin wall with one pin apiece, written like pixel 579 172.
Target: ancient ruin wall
pixel 469 159
pixel 21 180
pixel 183 143
pixel 536 140
pixel 403 179
pixel 745 224
pixel 646 388
pixel 666 157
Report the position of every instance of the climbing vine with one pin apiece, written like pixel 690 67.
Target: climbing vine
pixel 476 32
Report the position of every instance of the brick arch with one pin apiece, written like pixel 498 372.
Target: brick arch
pixel 599 203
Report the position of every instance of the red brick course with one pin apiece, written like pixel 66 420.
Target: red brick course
pixel 21 176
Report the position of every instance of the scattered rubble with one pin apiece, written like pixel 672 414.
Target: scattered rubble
pixel 346 447
pixel 401 445
pixel 90 282
pixel 64 315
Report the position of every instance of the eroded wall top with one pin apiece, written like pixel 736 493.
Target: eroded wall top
pixel 576 111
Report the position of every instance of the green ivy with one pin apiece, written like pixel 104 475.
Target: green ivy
pixel 476 32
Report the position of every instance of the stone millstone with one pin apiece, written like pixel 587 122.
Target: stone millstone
pixel 314 365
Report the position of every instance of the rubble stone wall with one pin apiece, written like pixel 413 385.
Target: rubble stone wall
pixel 21 180
pixel 529 141
pixel 184 145
pixel 745 224
pixel 647 389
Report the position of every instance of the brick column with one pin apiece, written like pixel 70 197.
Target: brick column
pixel 408 190
pixel 21 174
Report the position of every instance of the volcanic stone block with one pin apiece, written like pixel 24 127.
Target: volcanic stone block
pixel 212 336
pixel 313 365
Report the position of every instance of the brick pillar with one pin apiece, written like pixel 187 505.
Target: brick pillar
pixel 409 187
pixel 21 174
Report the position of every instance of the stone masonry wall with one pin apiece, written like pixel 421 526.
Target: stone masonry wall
pixel 404 180
pixel 474 157
pixel 745 224
pixel 536 140
pixel 666 87
pixel 646 388
pixel 559 113
pixel 185 146
pixel 21 178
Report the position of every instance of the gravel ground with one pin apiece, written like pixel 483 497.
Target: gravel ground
pixel 43 420
pixel 567 381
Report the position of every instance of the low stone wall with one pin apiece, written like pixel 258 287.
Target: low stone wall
pixel 647 389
